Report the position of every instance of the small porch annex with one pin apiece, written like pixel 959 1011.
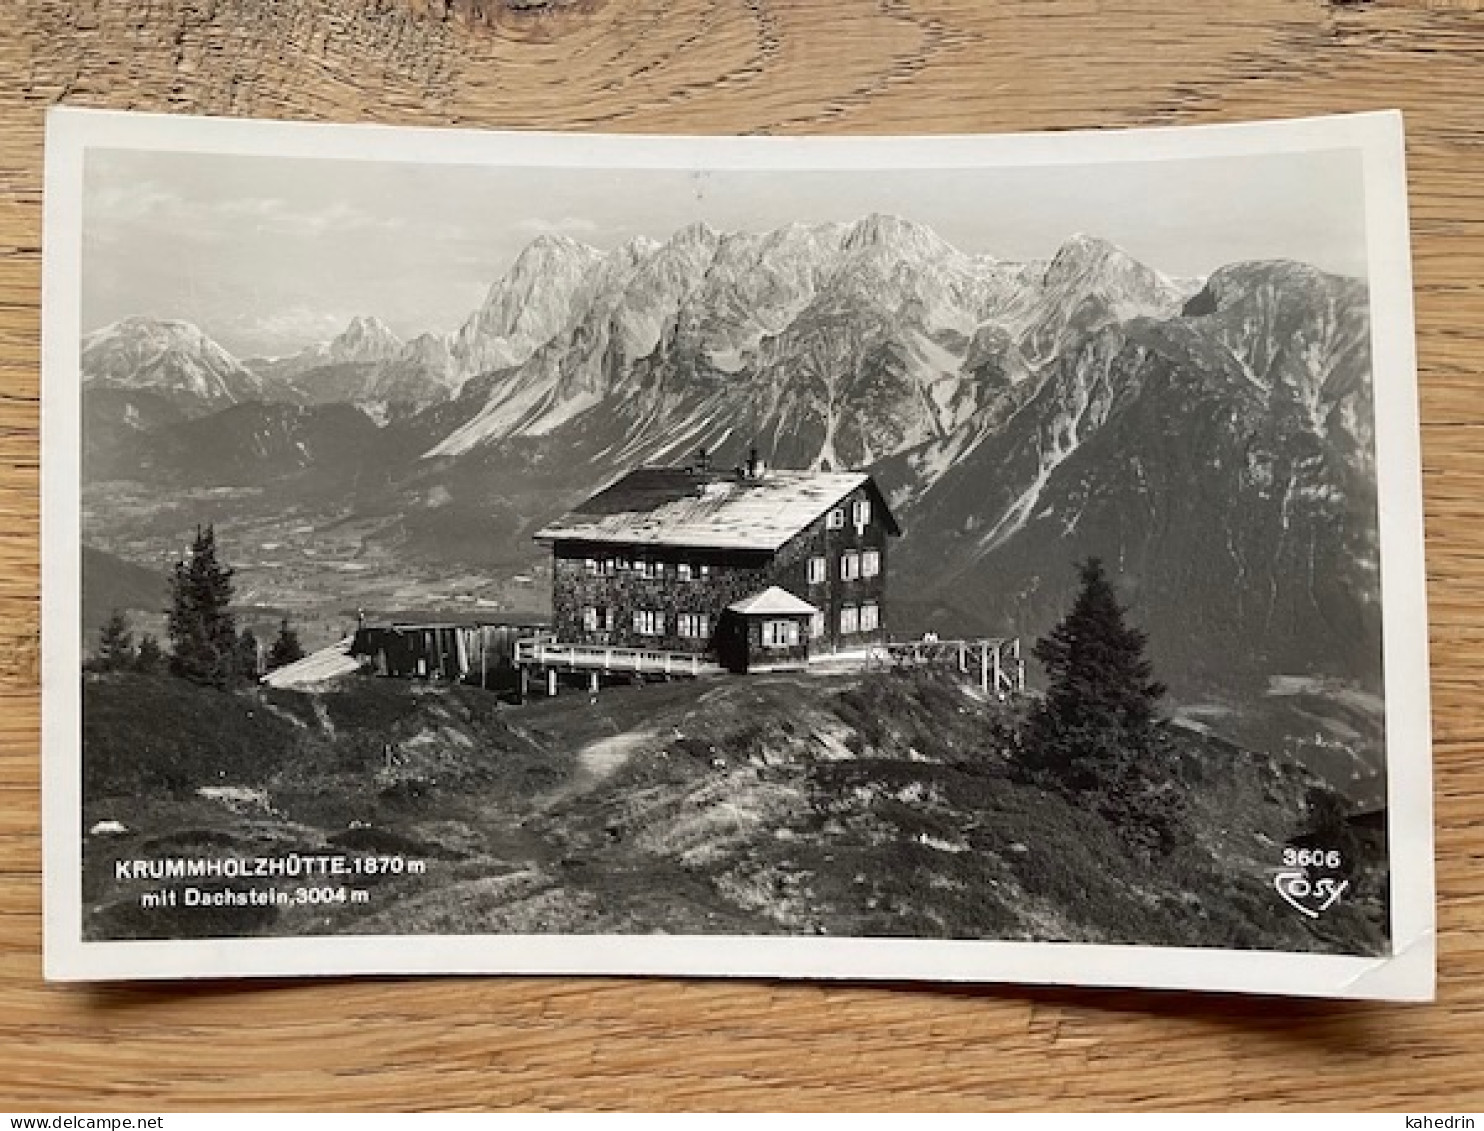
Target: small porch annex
pixel 768 631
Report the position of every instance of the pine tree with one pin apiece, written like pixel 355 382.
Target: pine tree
pixel 1095 736
pixel 1101 685
pixel 115 644
pixel 247 656
pixel 203 631
pixel 150 657
pixel 286 647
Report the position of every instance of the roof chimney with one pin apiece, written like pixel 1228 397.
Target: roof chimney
pixel 754 466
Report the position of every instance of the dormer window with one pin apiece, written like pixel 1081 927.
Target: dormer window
pixel 836 519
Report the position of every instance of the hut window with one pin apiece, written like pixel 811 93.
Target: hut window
pixel 818 626
pixel 850 620
pixel 593 566
pixel 590 619
pixel 703 571
pixel 850 565
pixel 649 622
pixel 682 571
pixel 780 633
pixel 870 563
pixel 836 519
pixel 817 570
pixel 861 511
pixel 696 626
pixel 870 617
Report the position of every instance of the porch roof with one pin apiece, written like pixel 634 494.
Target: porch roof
pixel 773 602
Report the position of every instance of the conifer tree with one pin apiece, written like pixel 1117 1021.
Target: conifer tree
pixel 115 644
pixel 248 659
pixel 203 631
pixel 1095 736
pixel 150 657
pixel 1101 685
pixel 286 647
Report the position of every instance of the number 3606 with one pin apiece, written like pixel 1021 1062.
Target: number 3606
pixel 1311 858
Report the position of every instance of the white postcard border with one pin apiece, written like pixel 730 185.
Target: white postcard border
pixel 1408 974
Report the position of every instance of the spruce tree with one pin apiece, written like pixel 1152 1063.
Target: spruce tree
pixel 286 647
pixel 203 631
pixel 247 656
pixel 149 658
pixel 115 644
pixel 1101 684
pixel 1095 736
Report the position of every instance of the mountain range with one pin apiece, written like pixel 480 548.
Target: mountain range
pixel 1211 439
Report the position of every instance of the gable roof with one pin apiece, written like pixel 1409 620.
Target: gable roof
pixel 677 506
pixel 772 602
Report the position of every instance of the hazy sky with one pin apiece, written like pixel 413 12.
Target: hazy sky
pixel 268 254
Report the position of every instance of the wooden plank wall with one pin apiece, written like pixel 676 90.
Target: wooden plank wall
pixel 760 66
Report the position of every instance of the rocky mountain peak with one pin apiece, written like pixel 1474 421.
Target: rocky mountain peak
pixel 546 253
pixel 427 347
pixel 162 333
pixel 1082 255
pixel 367 339
pixel 1236 282
pixel 885 232
pixel 169 356
pixel 697 234
pixel 526 307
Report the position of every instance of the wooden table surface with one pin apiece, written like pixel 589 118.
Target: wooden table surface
pixel 760 66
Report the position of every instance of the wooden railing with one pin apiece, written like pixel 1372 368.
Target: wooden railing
pixel 541 653
pixel 996 664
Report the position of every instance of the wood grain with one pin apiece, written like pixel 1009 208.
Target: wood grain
pixel 760 66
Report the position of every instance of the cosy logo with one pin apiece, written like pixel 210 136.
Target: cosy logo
pixel 1309 897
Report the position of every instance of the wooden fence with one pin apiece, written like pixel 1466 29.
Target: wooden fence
pixel 996 664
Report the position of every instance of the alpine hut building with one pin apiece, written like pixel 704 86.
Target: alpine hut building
pixel 690 569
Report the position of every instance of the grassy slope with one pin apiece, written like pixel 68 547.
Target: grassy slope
pixel 862 805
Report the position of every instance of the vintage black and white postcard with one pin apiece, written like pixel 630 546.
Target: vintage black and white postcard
pixel 967 558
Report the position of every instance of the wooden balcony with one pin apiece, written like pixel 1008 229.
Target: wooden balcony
pixel 601 658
